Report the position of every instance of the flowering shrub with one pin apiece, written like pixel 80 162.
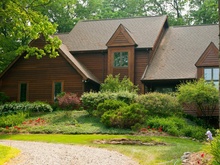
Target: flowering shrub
pixel 68 101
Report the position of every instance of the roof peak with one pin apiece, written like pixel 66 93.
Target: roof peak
pixel 112 19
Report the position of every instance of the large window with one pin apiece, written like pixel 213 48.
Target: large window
pixel 121 59
pixel 212 75
pixel 23 92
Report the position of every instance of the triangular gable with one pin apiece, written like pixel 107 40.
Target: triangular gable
pixel 69 57
pixel 209 57
pixel 121 37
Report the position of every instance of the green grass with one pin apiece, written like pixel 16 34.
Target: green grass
pixel 78 128
pixel 6 153
pixel 143 154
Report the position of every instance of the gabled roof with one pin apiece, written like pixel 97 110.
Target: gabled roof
pixel 73 62
pixel 85 73
pixel 179 51
pixel 121 36
pixel 94 35
pixel 209 57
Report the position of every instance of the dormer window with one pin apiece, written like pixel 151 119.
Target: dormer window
pixel 121 59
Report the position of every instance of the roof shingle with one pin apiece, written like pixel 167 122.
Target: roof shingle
pixel 179 51
pixel 93 35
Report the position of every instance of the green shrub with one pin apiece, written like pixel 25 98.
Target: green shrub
pixel 3 98
pixel 108 105
pixel 12 119
pixel 10 108
pixel 125 117
pixel 114 84
pixel 68 101
pixel 199 94
pixel 177 126
pixel 159 104
pixel 91 100
pixel 215 150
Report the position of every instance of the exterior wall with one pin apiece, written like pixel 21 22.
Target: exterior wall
pixel 141 61
pixel 40 76
pixel 127 71
pixel 96 62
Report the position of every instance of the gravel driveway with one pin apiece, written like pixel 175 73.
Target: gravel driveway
pixel 39 153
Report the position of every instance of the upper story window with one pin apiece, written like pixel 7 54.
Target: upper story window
pixel 121 59
pixel 212 75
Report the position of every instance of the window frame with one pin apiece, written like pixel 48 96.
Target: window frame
pixel 20 92
pixel 211 79
pixel 54 93
pixel 121 54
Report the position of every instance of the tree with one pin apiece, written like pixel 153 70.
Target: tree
pixel 204 12
pixel 199 94
pixel 21 23
pixel 60 12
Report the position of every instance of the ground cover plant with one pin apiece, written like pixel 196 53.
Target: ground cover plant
pixel 7 153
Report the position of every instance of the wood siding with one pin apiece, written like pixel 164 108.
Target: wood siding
pixel 40 75
pixel 95 62
pixel 141 61
pixel 127 71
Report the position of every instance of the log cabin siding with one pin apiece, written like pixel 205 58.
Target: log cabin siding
pixel 141 61
pixel 96 62
pixel 40 75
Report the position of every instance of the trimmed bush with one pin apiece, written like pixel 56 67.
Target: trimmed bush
pixel 125 117
pixel 91 100
pixel 159 104
pixel 108 105
pixel 11 108
pixel 68 101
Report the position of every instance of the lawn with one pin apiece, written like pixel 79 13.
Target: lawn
pixel 77 127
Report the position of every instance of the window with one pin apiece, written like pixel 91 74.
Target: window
pixel 212 75
pixel 23 92
pixel 57 88
pixel 120 59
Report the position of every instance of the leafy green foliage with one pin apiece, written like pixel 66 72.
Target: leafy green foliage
pixel 3 98
pixel 68 101
pixel 91 100
pixel 114 84
pixel 108 105
pixel 11 108
pixel 215 145
pixel 125 116
pixel 177 126
pixel 21 23
pixel 159 104
pixel 200 94
pixel 12 119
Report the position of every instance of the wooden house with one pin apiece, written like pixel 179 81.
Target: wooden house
pixel 153 55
